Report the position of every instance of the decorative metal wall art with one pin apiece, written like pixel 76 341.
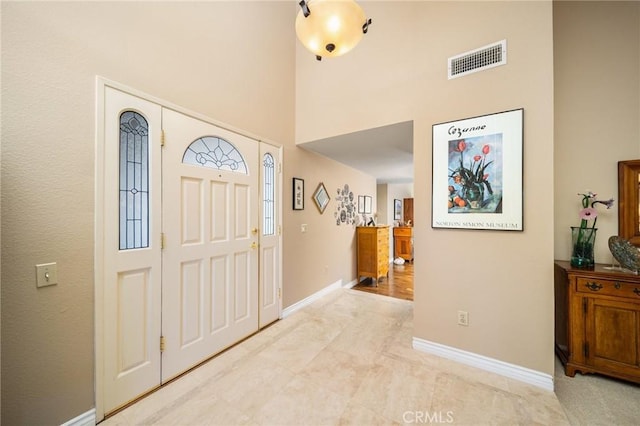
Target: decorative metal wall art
pixel 345 213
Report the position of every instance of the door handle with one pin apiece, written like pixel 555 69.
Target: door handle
pixel 254 231
pixel 254 245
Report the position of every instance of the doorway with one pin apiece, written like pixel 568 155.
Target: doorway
pixel 187 243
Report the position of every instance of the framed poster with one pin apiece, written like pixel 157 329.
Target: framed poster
pixel 298 194
pixel 360 203
pixel 397 209
pixel 477 172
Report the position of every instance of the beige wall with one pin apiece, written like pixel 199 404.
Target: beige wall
pixel 398 73
pixel 387 193
pixel 325 253
pixel 233 62
pixel 597 110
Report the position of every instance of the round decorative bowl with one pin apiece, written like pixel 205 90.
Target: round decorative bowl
pixel 625 253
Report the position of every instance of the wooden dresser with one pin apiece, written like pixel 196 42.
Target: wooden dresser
pixel 373 251
pixel 597 321
pixel 403 242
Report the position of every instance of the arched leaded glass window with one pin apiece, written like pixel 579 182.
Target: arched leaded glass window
pixel 134 181
pixel 268 195
pixel 216 153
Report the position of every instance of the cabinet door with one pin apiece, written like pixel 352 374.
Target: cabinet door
pixel 612 335
pixel 403 247
pixel 408 210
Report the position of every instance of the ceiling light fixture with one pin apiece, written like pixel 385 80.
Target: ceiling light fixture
pixel 330 27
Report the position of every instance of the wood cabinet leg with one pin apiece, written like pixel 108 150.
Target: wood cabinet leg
pixel 569 371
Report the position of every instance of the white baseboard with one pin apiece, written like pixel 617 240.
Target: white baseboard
pixel 351 284
pixel 84 419
pixel 310 299
pixel 523 374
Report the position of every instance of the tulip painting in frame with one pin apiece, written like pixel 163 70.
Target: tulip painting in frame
pixel 477 172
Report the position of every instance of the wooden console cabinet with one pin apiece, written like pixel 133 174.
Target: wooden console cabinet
pixel 403 243
pixel 597 321
pixel 373 251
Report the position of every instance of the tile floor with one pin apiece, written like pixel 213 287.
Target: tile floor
pixel 346 359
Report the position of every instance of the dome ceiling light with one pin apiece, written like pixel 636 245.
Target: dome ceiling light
pixel 330 28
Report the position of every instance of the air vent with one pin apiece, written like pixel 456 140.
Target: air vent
pixel 479 59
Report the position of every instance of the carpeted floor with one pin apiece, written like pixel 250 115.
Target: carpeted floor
pixel 346 359
pixel 597 400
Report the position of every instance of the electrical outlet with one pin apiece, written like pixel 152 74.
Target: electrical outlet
pixel 463 318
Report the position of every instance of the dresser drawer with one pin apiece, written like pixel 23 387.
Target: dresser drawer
pixel 402 232
pixel 608 287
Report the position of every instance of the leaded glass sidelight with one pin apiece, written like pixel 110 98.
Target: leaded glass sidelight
pixel 268 195
pixel 134 181
pixel 216 153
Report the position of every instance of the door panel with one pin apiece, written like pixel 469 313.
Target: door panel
pixel 131 278
pixel 192 198
pixel 133 287
pixel 191 303
pixel 210 260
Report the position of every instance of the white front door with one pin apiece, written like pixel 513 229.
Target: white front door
pixel 200 198
pixel 129 297
pixel 210 224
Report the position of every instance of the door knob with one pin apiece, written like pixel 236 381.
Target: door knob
pixel 254 245
pixel 254 231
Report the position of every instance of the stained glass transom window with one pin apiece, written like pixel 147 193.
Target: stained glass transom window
pixel 216 153
pixel 268 195
pixel 134 181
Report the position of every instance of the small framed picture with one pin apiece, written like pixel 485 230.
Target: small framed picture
pixel 397 209
pixel 367 204
pixel 321 197
pixel 298 194
pixel 360 203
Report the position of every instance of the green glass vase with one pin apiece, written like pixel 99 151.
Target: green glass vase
pixel 474 194
pixel 582 243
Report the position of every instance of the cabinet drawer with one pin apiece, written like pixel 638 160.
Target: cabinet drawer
pixel 608 287
pixel 402 232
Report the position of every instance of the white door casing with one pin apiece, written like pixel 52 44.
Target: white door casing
pixel 210 259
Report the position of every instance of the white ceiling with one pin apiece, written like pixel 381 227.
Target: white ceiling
pixel 383 152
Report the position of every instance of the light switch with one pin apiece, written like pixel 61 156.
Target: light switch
pixel 46 274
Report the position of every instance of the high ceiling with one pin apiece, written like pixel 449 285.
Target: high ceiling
pixel 383 152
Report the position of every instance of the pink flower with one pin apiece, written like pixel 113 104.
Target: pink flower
pixel 477 158
pixel 588 213
pixel 486 149
pixel 462 145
